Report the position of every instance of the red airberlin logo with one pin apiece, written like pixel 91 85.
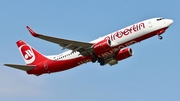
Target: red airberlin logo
pixel 120 33
pixel 27 52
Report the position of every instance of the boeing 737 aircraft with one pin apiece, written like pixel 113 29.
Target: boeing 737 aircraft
pixel 105 50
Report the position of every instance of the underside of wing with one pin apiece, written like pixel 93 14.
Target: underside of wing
pixel 110 59
pixel 83 47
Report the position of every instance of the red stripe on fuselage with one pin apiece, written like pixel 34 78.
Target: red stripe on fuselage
pixel 50 66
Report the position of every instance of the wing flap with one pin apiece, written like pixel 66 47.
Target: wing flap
pixel 21 67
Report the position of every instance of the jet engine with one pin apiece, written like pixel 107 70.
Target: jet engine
pixel 121 55
pixel 124 53
pixel 102 45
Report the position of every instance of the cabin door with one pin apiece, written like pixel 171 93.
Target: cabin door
pixel 150 23
pixel 46 66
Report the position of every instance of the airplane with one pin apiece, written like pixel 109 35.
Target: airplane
pixel 108 49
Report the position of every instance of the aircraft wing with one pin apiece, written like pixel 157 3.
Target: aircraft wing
pixel 83 47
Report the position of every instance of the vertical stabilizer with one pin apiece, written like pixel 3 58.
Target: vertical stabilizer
pixel 29 54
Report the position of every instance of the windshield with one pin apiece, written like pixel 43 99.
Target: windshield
pixel 160 19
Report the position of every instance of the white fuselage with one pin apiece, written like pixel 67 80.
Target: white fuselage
pixel 123 35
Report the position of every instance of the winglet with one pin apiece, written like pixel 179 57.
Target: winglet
pixel 33 33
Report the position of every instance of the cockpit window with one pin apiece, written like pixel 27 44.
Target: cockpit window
pixel 160 19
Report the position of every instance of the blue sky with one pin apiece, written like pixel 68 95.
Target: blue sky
pixel 152 74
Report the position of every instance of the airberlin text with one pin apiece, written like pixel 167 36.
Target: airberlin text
pixel 125 32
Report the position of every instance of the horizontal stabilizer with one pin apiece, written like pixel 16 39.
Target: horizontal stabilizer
pixel 21 67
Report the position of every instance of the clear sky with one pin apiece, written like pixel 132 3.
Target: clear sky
pixel 152 74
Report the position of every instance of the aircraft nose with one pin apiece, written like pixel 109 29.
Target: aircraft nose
pixel 169 21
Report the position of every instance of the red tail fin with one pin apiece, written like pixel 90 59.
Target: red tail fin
pixel 29 54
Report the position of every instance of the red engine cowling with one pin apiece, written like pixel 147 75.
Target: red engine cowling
pixel 124 53
pixel 102 45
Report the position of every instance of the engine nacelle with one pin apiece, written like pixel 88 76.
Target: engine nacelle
pixel 124 53
pixel 102 45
